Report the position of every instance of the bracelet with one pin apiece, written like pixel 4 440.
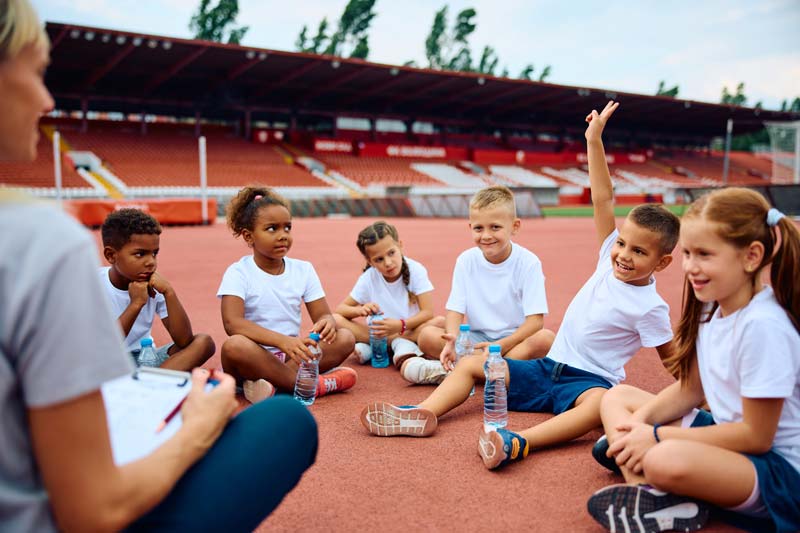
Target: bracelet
pixel 402 326
pixel 655 432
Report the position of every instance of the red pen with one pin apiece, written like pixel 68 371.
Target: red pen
pixel 177 408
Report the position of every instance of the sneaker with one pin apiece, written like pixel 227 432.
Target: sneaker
pixel 500 447
pixel 403 349
pixel 363 352
pixel 423 371
pixel 386 420
pixel 336 379
pixel 599 453
pixel 257 390
pixel 642 508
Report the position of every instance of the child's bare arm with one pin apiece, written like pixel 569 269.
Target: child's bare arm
pixel 599 176
pixel 531 325
pixel 425 303
pixel 177 321
pixel 452 321
pixel 324 323
pixel 137 290
pixel 351 309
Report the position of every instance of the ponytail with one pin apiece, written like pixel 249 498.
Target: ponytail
pixel 785 272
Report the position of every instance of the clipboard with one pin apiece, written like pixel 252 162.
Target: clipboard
pixel 136 404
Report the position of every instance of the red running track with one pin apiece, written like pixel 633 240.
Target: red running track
pixel 366 483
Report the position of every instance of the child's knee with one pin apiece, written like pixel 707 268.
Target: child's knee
pixel 429 335
pixel 666 464
pixel 234 348
pixel 617 396
pixel 341 321
pixel 206 344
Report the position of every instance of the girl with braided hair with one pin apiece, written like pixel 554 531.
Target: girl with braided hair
pixel 396 286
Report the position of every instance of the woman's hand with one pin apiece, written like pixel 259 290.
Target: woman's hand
pixel 205 413
pixel 631 447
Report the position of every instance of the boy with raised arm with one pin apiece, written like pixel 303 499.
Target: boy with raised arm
pixel 137 292
pixel 616 312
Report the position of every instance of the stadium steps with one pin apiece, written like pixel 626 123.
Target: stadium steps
pixel 110 189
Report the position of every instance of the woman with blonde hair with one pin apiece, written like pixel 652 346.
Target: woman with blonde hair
pixel 59 342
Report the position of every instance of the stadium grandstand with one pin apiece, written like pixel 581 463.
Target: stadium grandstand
pixel 145 117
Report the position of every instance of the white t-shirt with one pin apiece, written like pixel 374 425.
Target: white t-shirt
pixel 753 353
pixel 58 341
pixel 392 297
pixel 609 320
pixel 120 300
pixel 497 297
pixel 272 301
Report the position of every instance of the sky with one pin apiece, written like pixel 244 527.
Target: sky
pixel 614 45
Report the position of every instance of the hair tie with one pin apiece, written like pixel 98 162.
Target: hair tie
pixel 258 197
pixel 773 217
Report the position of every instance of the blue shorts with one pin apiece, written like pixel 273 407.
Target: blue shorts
pixel 779 484
pixel 547 386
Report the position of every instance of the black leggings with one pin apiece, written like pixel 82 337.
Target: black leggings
pixel 257 460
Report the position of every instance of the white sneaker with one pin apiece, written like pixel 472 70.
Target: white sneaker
pixel 423 371
pixel 257 390
pixel 363 352
pixel 402 348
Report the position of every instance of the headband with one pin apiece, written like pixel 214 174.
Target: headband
pixel 773 217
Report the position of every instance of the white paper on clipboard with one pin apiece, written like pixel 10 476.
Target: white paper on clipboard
pixel 136 405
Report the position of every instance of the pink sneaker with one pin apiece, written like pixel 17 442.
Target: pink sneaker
pixel 336 379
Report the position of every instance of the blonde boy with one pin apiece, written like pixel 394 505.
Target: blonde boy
pixel 615 313
pixel 498 285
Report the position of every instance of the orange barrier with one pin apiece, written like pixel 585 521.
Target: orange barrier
pixel 166 211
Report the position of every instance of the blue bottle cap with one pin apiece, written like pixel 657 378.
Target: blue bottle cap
pixel 314 336
pixel 494 348
pixel 146 342
pixel 463 327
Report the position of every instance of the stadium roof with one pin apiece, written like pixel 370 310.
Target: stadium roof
pixel 110 70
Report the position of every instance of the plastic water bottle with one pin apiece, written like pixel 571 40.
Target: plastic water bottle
pixel 380 351
pixel 147 354
pixel 464 346
pixel 495 396
pixel 305 387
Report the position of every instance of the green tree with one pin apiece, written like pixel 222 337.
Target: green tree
pixel 737 98
pixel 212 23
pixel 545 73
pixel 663 91
pixel 319 39
pixel 351 34
pixel 488 62
pixel 449 50
pixel 794 107
pixel 301 44
pixel 526 73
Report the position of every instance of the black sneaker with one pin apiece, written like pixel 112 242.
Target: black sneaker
pixel 643 509
pixel 599 453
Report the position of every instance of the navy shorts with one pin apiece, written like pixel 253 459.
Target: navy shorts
pixel 547 386
pixel 778 482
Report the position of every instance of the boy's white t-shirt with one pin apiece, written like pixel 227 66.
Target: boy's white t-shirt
pixel 120 300
pixel 392 297
pixel 272 301
pixel 496 298
pixel 753 353
pixel 609 320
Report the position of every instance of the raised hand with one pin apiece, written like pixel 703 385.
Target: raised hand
pixel 597 121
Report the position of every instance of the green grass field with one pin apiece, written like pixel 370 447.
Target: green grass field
pixel 586 210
